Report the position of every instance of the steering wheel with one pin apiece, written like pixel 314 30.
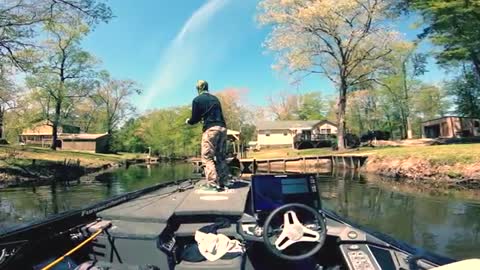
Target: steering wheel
pixel 293 231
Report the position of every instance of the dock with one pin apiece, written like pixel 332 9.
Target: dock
pixel 252 166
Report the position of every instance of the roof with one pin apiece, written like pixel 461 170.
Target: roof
pixel 81 137
pixel 272 125
pixel 449 116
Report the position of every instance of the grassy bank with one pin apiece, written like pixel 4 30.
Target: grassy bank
pixel 457 164
pixel 26 164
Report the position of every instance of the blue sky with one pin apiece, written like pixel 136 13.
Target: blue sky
pixel 167 47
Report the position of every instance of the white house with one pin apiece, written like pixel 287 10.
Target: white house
pixel 284 133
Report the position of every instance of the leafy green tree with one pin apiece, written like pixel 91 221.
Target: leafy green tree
pixel 401 79
pixel 8 97
pixel 165 131
pixel 128 138
pixel 66 71
pixel 466 93
pixel 312 106
pixel 430 102
pixel 453 25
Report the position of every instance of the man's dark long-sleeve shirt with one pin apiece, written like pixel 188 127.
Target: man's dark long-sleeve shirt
pixel 207 107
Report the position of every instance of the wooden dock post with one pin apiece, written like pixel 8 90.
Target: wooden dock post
pixel 304 165
pixel 352 163
pixel 344 163
pixel 331 163
pixel 254 165
pixel 284 166
pixel 269 168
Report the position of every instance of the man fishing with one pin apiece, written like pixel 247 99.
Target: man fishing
pixel 207 107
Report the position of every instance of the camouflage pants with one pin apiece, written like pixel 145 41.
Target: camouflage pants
pixel 214 142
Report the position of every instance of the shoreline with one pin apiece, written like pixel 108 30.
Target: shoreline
pixel 447 166
pixel 47 176
pixel 34 166
pixel 419 171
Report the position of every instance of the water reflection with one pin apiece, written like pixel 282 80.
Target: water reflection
pixel 21 205
pixel 444 222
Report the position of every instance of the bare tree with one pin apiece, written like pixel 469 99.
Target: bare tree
pixel 344 40
pixel 284 106
pixel 113 96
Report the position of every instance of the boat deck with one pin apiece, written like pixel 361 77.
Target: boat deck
pixel 160 206
pixel 138 224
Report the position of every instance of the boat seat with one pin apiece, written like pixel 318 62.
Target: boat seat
pixel 234 264
pixel 189 229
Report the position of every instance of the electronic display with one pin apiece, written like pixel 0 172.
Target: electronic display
pixel 272 191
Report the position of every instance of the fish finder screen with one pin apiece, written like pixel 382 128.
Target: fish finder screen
pixel 271 192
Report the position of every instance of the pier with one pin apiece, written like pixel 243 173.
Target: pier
pixel 252 166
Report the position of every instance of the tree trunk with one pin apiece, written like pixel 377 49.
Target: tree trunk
pixel 2 114
pixel 476 64
pixel 407 102
pixel 56 121
pixel 342 104
pixel 409 128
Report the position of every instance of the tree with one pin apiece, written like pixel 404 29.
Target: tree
pixel 453 25
pixel 165 132
pixel 344 40
pixel 88 115
pixel 401 78
pixel 113 97
pixel 233 110
pixel 312 106
pixel 466 92
pixel 128 137
pixel 8 97
pixel 362 111
pixel 20 20
pixel 66 72
pixel 430 102
pixel 284 106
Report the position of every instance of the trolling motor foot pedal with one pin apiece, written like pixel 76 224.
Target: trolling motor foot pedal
pixel 96 226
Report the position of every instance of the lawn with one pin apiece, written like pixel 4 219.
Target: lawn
pixel 438 154
pixel 20 154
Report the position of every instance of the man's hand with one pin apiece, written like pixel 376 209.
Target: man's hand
pixel 186 121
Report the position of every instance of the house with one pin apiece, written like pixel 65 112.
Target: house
pixel 451 127
pixel 96 143
pixel 290 133
pixel 68 138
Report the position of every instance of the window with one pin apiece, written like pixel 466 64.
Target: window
pixel 325 131
pixel 477 124
pixel 267 134
pixel 285 133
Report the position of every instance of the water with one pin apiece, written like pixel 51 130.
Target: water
pixel 447 223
